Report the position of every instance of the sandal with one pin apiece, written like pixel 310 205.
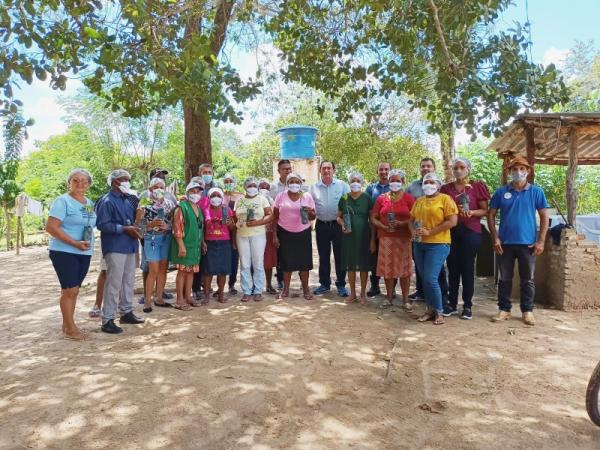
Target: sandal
pixel 351 300
pixel 147 309
pixel 258 297
pixel 308 296
pixel 185 307
pixel 246 298
pixel 282 295
pixel 163 304
pixel 429 315
pixel 194 303
pixel 205 301
pixel 271 290
pixel 363 301
pixel 408 307
pixel 94 312
pixel 439 319
pixel 221 298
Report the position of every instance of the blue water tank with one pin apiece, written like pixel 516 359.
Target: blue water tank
pixel 298 142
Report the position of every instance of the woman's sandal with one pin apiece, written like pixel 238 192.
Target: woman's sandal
pixel 439 319
pixel 282 295
pixel 351 300
pixel 221 298
pixel 271 290
pixel 82 336
pixel 258 298
pixel 205 301
pixel 194 304
pixel 408 307
pixel 429 315
pixel 185 307
pixel 308 296
pixel 147 309
pixel 163 304
pixel 246 298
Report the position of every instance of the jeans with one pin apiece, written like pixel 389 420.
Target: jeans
pixel 442 280
pixel 329 234
pixel 118 288
pixel 461 264
pixel 430 260
pixel 506 263
pixel 235 259
pixel 252 253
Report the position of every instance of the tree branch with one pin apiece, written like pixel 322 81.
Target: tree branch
pixel 221 22
pixel 440 33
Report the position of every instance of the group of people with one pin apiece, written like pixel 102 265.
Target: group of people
pixel 385 229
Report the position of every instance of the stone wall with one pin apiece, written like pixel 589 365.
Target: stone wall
pixel 568 275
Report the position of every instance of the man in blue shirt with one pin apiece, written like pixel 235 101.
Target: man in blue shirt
pixel 327 194
pixel 374 190
pixel 518 239
pixel 119 235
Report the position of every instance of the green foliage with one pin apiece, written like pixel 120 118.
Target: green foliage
pixel 582 66
pixel 138 56
pixel 446 55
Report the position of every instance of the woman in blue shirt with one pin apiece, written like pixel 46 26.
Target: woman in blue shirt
pixel 70 224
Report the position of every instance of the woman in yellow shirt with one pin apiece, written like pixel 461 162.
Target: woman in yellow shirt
pixel 432 216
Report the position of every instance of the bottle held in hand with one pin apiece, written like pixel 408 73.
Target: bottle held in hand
pixel 303 215
pixel 88 232
pixel 464 202
pixel 347 221
pixel 391 217
pixel 249 214
pixel 224 215
pixel 418 225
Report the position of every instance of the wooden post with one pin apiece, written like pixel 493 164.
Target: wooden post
pixel 504 177
pixel 571 177
pixel 8 230
pixel 529 138
pixel 19 241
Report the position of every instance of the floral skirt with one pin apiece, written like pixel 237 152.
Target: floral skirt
pixel 394 259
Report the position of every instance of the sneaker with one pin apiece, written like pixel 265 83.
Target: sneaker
pixel 168 296
pixel 466 314
pixel 342 291
pixel 280 285
pixel 232 290
pixel 373 292
pixel 321 290
pixel 142 300
pixel 416 296
pixel 111 327
pixel 131 318
pixel 502 315
pixel 449 311
pixel 528 318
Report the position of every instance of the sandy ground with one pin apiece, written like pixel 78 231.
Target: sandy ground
pixel 288 375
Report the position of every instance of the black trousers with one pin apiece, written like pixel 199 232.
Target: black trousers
pixel 329 235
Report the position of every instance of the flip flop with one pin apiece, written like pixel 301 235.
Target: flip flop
pixel 185 307
pixel 308 297
pixel 148 309
pixel 163 304
pixel 271 290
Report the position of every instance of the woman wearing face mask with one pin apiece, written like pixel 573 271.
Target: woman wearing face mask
pixel 293 210
pixel 353 217
pixel 252 213
pixel 432 216
pixel 203 203
pixel 471 198
pixel 155 216
pixel 188 226
pixel 216 246
pixel 390 216
pixel 232 196
pixel 270 260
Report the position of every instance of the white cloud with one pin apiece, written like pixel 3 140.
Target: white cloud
pixel 556 56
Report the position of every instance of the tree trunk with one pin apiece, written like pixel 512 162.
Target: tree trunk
pixel 448 152
pixel 198 147
pixel 8 230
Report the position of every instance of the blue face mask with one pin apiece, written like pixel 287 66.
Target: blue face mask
pixel 207 178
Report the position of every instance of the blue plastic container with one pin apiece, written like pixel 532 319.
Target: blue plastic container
pixel 298 142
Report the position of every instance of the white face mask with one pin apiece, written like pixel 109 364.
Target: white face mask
pixel 460 174
pixel 216 201
pixel 125 187
pixel 265 192
pixel 355 187
pixel 395 186
pixel 430 189
pixel 519 176
pixel 194 198
pixel 294 187
pixel 252 191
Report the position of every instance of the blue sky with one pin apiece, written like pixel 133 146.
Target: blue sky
pixel 556 25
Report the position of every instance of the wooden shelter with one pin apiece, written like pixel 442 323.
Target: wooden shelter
pixel 569 139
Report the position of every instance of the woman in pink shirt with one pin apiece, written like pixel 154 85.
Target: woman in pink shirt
pixel 293 210
pixel 216 246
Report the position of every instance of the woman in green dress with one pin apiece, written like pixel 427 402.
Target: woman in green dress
pixel 353 217
pixel 187 231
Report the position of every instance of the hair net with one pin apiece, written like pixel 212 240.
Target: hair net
pixel 118 173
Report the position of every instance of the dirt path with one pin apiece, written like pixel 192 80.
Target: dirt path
pixel 288 375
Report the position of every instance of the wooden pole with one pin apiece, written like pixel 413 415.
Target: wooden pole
pixel 504 177
pixel 571 177
pixel 19 241
pixel 530 140
pixel 8 230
